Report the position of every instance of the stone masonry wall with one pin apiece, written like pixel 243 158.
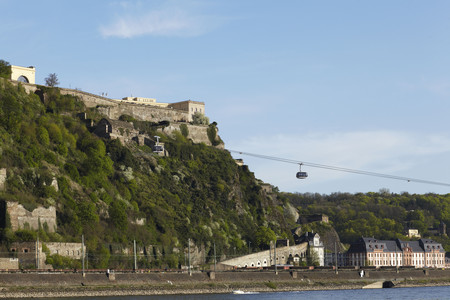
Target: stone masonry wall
pixel 9 263
pixel 144 112
pixel 266 258
pixel 19 217
pixel 2 179
pixel 90 100
pixel 72 250
pixel 113 109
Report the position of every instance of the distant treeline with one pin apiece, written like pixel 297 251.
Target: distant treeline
pixel 382 215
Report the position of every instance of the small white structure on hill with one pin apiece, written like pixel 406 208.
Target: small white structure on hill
pixel 23 74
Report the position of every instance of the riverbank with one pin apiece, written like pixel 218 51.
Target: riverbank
pixel 75 285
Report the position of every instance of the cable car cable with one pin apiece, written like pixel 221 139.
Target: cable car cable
pixel 340 169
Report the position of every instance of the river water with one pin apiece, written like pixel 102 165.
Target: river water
pixel 416 293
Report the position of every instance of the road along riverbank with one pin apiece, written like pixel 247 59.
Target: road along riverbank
pixel 42 284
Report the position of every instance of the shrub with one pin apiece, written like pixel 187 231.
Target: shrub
pixel 200 119
pixel 118 215
pixel 5 69
pixel 72 171
pixel 212 134
pixel 184 130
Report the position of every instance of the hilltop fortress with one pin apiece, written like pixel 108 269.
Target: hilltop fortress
pixel 142 109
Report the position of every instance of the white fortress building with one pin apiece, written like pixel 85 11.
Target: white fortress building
pixel 23 74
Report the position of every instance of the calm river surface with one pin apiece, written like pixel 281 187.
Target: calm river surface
pixel 439 292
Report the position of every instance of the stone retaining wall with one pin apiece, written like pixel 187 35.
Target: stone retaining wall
pixel 75 279
pixel 21 218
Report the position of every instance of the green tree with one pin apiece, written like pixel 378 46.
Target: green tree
pixel 43 136
pixel 5 69
pixel 184 130
pixel 200 119
pixel 118 215
pixel 312 257
pixel 263 237
pixel 52 80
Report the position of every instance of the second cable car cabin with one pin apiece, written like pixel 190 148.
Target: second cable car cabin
pixel 300 174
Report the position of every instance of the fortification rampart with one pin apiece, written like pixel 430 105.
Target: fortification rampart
pixel 144 112
pixel 267 258
pixel 9 263
pixel 198 133
pixel 21 218
pixel 113 109
pixel 72 250
pixel 90 100
pixel 2 178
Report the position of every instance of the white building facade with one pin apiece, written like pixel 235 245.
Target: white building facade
pixel 424 253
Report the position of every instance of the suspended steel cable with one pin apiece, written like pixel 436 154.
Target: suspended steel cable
pixel 340 169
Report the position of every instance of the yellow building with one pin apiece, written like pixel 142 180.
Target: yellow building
pixel 190 106
pixel 23 74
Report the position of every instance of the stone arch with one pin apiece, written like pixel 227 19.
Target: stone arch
pixel 23 79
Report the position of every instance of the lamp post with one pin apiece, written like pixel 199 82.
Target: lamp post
pixel 214 257
pixel 82 253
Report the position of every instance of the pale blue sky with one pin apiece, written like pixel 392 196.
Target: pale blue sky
pixel 355 84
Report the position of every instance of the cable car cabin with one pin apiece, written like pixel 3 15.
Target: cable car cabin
pixel 158 148
pixel 302 175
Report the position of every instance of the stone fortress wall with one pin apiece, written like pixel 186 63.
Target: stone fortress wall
pixel 142 111
pixel 21 218
pixel 266 258
pixel 72 250
pixel 2 178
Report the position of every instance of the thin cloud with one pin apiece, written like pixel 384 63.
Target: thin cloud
pixel 170 21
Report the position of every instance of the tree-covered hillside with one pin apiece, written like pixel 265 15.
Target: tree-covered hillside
pixel 104 187
pixel 382 215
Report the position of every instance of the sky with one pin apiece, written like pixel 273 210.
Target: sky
pixel 362 85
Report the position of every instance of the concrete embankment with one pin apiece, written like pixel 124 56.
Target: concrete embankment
pixel 99 284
